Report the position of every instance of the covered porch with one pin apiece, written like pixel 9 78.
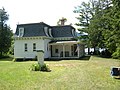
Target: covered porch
pixel 66 49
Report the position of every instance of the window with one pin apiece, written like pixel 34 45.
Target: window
pixel 34 46
pixel 73 32
pixel 21 32
pixel 46 31
pixel 56 50
pixel 26 49
pixel 50 32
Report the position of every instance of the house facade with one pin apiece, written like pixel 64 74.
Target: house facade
pixel 56 41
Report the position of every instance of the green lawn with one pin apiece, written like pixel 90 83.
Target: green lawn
pixel 92 74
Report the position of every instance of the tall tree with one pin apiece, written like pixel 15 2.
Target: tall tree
pixel 97 24
pixel 85 14
pixel 103 28
pixel 113 38
pixel 5 33
pixel 91 21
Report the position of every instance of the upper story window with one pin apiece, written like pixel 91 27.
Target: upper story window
pixel 50 32
pixel 25 47
pixel 46 31
pixel 73 32
pixel 21 32
pixel 34 46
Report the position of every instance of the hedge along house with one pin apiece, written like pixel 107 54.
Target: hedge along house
pixel 56 41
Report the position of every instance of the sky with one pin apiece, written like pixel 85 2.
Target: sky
pixel 35 11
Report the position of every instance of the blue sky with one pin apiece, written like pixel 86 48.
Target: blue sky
pixel 34 11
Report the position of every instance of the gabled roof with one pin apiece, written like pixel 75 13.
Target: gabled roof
pixel 32 29
pixel 62 31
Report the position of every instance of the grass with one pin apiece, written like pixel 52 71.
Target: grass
pixel 92 74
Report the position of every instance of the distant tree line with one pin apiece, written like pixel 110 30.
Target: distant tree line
pixel 100 19
pixel 5 33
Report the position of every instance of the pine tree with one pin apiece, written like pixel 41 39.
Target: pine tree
pixel 5 33
pixel 85 14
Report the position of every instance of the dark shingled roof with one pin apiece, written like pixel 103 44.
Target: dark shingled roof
pixel 37 29
pixel 32 29
pixel 62 31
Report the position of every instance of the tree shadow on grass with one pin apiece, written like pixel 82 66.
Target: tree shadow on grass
pixel 6 59
pixel 55 59
pixel 103 56
pixel 85 58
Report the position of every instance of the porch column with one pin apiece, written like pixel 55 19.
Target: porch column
pixel 63 50
pixel 59 51
pixel 50 50
pixel 70 54
pixel 78 51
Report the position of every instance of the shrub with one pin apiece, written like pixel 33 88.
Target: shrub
pixel 106 54
pixel 38 67
pixel 35 67
pixel 116 55
pixel 14 60
pixel 97 52
pixel 45 68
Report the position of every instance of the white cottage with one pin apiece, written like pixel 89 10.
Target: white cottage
pixel 56 41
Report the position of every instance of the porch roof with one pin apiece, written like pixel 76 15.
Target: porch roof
pixel 64 42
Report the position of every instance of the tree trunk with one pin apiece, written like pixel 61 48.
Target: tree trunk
pixel 1 54
pixel 88 51
pixel 94 51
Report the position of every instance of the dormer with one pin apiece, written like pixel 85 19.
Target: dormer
pixel 73 32
pixel 46 31
pixel 50 32
pixel 21 32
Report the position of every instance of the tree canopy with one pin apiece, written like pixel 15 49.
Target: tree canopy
pixel 5 33
pixel 102 25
